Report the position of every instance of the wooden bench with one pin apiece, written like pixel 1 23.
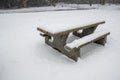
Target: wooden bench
pixel 97 37
pixel 57 39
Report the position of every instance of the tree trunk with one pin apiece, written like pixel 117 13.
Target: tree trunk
pixel 102 2
pixel 90 2
pixel 52 2
pixel 25 3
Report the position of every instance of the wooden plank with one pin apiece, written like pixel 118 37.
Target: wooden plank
pixel 71 30
pixel 45 32
pixel 79 28
pixel 90 41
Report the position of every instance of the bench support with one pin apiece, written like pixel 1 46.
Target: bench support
pixel 101 41
pixel 59 42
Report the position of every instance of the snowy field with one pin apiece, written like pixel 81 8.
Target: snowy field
pixel 25 56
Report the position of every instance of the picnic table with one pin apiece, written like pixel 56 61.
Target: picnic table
pixel 56 36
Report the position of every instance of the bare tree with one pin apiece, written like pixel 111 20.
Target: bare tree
pixel 90 2
pixel 23 3
pixel 102 2
pixel 51 2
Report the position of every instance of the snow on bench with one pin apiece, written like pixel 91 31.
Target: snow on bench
pixel 87 39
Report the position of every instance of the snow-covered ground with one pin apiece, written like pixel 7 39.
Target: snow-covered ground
pixel 25 56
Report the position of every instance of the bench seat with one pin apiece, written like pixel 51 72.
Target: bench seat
pixel 87 39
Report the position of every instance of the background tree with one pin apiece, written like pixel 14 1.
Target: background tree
pixel 90 2
pixel 23 3
pixel 102 2
pixel 36 3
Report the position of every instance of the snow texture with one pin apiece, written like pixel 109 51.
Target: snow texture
pixel 25 56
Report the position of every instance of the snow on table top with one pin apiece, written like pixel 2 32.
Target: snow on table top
pixel 58 25
pixel 81 41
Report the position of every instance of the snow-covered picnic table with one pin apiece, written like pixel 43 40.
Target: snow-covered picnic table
pixel 56 35
pixel 59 27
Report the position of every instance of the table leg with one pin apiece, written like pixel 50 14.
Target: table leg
pixel 58 43
pixel 101 41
